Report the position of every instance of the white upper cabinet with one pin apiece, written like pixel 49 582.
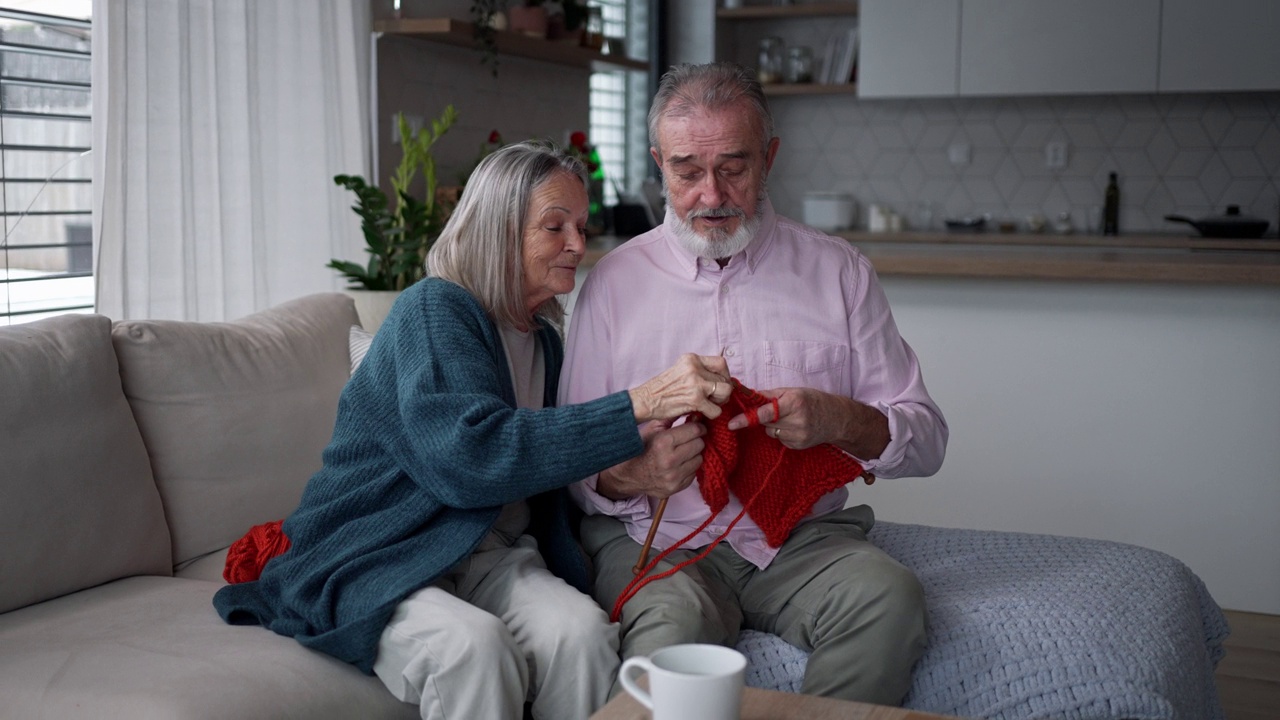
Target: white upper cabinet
pixel 946 48
pixel 908 48
pixel 1056 46
pixel 1220 45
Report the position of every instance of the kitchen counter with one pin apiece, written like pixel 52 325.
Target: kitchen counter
pixel 1140 258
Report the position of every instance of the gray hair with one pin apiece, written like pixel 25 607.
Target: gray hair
pixel 687 88
pixel 481 246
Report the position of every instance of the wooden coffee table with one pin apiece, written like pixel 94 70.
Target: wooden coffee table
pixel 773 705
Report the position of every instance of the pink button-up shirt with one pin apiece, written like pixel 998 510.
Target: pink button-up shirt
pixel 797 308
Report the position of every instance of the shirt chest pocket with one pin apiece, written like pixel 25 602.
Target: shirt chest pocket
pixel 804 363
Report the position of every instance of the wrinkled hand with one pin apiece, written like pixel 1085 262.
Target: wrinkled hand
pixel 696 383
pixel 808 417
pixel 671 457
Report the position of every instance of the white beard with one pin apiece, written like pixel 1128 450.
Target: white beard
pixel 718 243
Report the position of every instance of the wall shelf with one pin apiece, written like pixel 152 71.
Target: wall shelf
pixel 460 33
pixel 778 89
pixel 736 33
pixel 772 12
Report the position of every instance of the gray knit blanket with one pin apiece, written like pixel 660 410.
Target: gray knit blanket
pixel 1043 626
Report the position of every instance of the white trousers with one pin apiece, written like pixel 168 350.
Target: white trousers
pixel 498 630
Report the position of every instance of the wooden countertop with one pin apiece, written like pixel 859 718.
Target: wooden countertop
pixel 1132 258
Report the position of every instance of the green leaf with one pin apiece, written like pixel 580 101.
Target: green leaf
pixel 398 239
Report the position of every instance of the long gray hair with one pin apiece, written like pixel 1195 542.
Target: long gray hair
pixel 481 246
pixel 687 88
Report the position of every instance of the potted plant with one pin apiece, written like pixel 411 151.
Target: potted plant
pixel 397 231
pixel 528 18
pixel 565 20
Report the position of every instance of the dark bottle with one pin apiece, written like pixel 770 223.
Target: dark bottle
pixel 1111 208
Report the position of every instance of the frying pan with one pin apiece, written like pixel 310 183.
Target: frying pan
pixel 1231 225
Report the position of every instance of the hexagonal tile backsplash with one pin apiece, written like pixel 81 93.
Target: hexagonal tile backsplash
pixel 1174 154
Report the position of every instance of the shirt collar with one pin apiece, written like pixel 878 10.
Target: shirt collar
pixel 759 245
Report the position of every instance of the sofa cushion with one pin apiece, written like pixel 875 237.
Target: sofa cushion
pixel 150 647
pixel 360 340
pixel 77 501
pixel 235 415
pixel 1028 626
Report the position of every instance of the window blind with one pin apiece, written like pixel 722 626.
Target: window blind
pixel 619 101
pixel 46 254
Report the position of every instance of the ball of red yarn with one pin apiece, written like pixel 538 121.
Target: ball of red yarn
pixel 247 556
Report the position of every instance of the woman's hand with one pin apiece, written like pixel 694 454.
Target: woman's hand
pixel 696 383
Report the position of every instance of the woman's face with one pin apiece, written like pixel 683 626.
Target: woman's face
pixel 554 238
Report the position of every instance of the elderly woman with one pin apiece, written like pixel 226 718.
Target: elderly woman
pixel 433 548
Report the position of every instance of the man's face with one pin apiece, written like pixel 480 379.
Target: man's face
pixel 714 166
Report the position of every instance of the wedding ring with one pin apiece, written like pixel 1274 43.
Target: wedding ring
pixel 776 433
pixel 714 386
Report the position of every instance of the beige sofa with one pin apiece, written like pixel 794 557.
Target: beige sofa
pixel 132 454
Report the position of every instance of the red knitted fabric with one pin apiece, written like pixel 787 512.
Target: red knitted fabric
pixel 247 556
pixel 776 484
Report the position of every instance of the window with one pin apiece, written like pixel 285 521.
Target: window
pixel 46 254
pixel 619 102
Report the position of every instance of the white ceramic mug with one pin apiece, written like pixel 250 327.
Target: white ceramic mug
pixel 689 682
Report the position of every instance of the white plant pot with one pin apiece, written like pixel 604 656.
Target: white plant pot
pixel 372 306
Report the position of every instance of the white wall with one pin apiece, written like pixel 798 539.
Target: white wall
pixel 1147 414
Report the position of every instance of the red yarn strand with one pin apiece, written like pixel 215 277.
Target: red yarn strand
pixel 820 469
pixel 638 582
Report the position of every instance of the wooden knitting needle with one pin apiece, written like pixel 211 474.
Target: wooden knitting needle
pixel 657 515
pixel 648 541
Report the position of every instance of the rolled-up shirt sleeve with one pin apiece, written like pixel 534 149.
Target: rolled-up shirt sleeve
pixel 887 377
pixel 593 503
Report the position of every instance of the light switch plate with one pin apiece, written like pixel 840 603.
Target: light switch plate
pixel 415 124
pixel 1055 155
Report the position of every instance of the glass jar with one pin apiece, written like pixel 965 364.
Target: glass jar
pixel 800 65
pixel 769 67
pixel 593 32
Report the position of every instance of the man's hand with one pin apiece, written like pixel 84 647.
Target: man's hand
pixel 809 417
pixel 671 457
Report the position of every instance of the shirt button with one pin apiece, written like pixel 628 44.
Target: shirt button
pixel 724 289
pixel 728 352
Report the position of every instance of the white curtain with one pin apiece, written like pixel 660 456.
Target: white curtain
pixel 218 126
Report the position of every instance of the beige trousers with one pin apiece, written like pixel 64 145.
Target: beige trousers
pixel 497 631
pixel 857 611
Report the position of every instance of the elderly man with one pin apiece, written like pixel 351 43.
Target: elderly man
pixel 798 316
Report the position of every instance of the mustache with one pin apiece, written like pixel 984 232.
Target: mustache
pixel 717 213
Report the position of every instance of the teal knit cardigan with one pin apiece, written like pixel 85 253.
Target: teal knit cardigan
pixel 427 448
